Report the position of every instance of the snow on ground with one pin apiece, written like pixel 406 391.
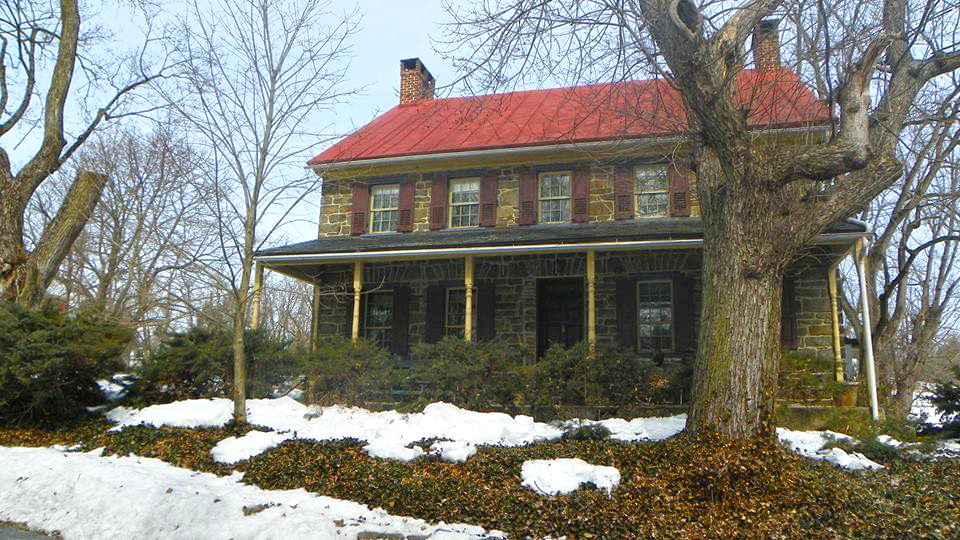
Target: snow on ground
pixel 84 495
pixel 566 475
pixel 811 444
pixel 388 434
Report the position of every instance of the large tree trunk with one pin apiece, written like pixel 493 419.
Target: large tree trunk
pixel 735 372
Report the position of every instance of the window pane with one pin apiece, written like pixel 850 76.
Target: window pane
pixel 651 204
pixel 378 322
pixel 465 215
pixel 554 185
pixel 456 307
pixel 384 220
pixel 385 196
pixel 651 178
pixel 465 191
pixel 555 210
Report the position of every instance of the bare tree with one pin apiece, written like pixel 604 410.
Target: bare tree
pixel 146 235
pixel 911 272
pixel 30 34
pixel 260 72
pixel 761 204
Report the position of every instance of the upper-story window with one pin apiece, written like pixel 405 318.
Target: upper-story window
pixel 651 190
pixel 465 202
pixel 554 195
pixel 383 210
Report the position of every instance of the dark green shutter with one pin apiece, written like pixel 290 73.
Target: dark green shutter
pixel 348 327
pixel 788 314
pixel 486 305
pixel 436 309
pixel 626 303
pixel 684 314
pixel 400 342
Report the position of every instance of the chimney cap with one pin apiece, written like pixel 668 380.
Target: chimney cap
pixel 415 63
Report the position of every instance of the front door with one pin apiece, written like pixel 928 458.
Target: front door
pixel 559 312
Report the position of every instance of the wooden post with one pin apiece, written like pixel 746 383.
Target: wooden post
pixel 357 286
pixel 592 301
pixel 468 293
pixel 257 292
pixel 835 319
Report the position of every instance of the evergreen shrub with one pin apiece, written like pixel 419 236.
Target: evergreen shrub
pixel 198 363
pixel 339 371
pixel 50 364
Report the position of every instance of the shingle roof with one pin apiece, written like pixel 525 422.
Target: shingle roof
pixel 634 109
pixel 638 229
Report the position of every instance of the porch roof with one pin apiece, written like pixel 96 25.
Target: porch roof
pixel 658 233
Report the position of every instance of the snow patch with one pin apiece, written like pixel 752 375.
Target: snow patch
pixel 811 444
pixel 454 451
pixel 236 449
pixel 566 475
pixel 77 494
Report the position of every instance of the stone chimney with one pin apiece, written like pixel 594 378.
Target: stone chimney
pixel 416 83
pixel 766 45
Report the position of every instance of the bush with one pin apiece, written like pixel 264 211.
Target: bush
pixel 340 371
pixel 474 375
pixel 578 431
pixel 199 364
pixel 946 398
pixel 50 363
pixel 611 378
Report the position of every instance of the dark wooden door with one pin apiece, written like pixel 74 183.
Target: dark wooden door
pixel 559 312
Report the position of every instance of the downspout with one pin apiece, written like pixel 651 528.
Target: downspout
pixel 835 316
pixel 867 330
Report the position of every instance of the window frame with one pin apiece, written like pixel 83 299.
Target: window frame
pixel 673 314
pixel 447 327
pixel 568 197
pixel 450 204
pixel 638 193
pixel 374 210
pixel 366 318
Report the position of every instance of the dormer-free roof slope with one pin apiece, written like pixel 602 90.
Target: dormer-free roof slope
pixel 771 99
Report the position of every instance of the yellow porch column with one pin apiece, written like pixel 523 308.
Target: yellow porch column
pixel 468 293
pixel 257 293
pixel 357 285
pixel 592 301
pixel 835 319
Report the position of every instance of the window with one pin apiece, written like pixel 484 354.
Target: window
pixel 465 202
pixel 651 190
pixel 456 312
pixel 378 319
pixel 554 197
pixel 383 211
pixel 655 315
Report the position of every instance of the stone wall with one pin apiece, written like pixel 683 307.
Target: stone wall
pixel 515 279
pixel 336 203
pixel 814 317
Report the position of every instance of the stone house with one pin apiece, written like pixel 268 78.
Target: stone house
pixel 547 216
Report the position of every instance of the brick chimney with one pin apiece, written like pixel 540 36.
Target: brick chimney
pixel 416 83
pixel 766 44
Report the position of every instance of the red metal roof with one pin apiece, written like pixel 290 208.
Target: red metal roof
pixel 634 109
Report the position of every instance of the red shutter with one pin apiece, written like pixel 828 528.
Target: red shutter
pixel 622 192
pixel 488 199
pixel 405 204
pixel 581 194
pixel 679 191
pixel 528 196
pixel 361 208
pixel 438 202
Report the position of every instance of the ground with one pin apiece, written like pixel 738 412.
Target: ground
pixel 680 487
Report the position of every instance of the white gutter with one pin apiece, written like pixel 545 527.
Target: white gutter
pixel 867 334
pixel 621 144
